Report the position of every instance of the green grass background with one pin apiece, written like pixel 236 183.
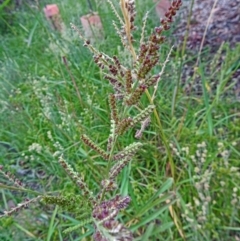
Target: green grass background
pixel 37 97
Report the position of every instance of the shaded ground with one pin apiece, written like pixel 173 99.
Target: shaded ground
pixel 223 27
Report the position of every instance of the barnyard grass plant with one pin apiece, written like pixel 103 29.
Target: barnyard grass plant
pixel 129 81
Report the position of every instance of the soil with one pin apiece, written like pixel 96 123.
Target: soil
pixel 224 27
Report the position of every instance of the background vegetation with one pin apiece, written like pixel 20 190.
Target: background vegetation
pixel 42 116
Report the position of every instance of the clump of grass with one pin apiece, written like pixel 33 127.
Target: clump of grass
pixel 129 83
pixel 211 176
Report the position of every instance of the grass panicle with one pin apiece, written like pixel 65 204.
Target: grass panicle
pixel 103 140
pixel 129 84
pixel 20 206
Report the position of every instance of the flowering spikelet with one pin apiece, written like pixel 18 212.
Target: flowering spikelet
pixel 131 9
pixel 98 60
pixel 115 12
pixel 105 62
pixel 152 80
pixel 118 66
pixel 148 55
pixel 113 70
pixel 106 227
pixel 119 33
pixel 20 206
pixel 11 178
pixel 108 184
pixel 91 144
pixel 170 13
pixel 128 81
pixel 144 124
pixel 61 201
pixel 123 126
pixel 110 143
pixel 114 231
pixel 116 84
pixel 128 151
pixel 117 168
pixel 78 180
pixel 143 114
pixel 68 202
pixel 101 59
pixel 136 95
pixel 142 52
pixel 113 108
pixel 149 62
pixel 111 137
pixel 143 27
pixel 129 13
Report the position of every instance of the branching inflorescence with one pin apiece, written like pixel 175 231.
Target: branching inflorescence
pixel 129 84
